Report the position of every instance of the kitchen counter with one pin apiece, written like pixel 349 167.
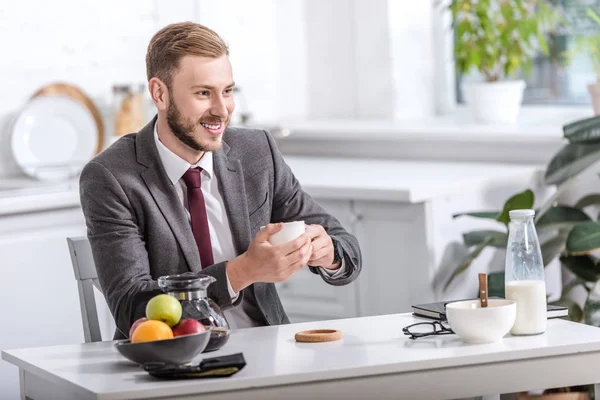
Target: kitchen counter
pixel 535 124
pixel 19 195
pixel 402 181
pixel 334 178
pixel 455 137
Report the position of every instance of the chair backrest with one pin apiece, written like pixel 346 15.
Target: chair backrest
pixel 87 278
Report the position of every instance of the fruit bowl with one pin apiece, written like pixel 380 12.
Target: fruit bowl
pixel 178 350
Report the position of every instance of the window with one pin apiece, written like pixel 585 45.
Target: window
pixel 550 81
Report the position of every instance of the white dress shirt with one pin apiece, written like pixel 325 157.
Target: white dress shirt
pixel 218 222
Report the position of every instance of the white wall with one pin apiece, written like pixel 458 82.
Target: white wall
pixel 98 44
pixel 95 45
pixel 293 59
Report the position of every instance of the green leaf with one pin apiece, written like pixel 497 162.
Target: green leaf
pixel 552 248
pixel 496 284
pixel 588 200
pixel 591 308
pixel 584 238
pixel 593 15
pixel 562 217
pixel 571 160
pixel 583 267
pixel 519 201
pixel 543 44
pixel 467 262
pixel 475 238
pixel 575 311
pixel 586 130
pixel 479 214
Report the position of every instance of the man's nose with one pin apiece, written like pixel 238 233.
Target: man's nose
pixel 219 108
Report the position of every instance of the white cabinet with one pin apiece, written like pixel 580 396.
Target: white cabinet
pixel 393 237
pixel 40 304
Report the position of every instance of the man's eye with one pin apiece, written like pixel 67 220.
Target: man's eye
pixel 228 91
pixel 203 93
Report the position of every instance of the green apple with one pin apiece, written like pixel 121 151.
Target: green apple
pixel 165 308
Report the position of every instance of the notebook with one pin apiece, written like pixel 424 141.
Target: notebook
pixel 438 310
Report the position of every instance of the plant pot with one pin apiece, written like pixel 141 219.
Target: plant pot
pixel 494 102
pixel 594 90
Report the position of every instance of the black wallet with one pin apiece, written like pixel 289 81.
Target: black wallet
pixel 214 367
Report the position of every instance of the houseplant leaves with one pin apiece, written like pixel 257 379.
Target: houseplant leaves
pixel 584 267
pixel 571 160
pixel 467 261
pixel 475 238
pixel 584 238
pixel 583 131
pixel 562 217
pixel 479 214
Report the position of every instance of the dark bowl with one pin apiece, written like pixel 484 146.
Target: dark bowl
pixel 179 350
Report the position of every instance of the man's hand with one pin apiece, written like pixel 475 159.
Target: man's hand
pixel 264 262
pixel 322 248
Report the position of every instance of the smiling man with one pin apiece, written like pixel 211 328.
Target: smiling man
pixel 188 193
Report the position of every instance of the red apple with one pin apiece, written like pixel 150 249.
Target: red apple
pixel 135 325
pixel 188 327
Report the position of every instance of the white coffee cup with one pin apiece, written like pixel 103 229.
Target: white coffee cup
pixel 290 231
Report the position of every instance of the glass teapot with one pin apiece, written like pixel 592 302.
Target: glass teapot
pixel 191 290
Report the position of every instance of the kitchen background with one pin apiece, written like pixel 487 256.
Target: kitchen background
pixel 279 62
pixel 345 85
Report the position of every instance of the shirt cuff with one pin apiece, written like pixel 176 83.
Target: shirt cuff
pixel 232 294
pixel 336 272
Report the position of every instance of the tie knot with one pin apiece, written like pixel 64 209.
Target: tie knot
pixel 192 177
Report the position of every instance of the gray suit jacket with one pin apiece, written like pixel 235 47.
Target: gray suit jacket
pixel 138 229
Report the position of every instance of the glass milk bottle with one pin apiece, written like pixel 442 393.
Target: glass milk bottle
pixel 524 274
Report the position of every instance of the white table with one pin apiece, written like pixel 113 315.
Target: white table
pixel 374 357
pixel 373 360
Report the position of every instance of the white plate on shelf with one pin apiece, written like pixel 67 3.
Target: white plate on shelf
pixel 53 137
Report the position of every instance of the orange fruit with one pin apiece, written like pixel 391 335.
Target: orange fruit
pixel 151 330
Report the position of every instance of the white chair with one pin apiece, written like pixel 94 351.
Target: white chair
pixel 87 278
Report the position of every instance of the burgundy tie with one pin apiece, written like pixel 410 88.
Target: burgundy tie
pixel 199 218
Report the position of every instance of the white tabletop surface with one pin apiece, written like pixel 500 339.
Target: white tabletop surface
pixel 402 180
pixel 371 346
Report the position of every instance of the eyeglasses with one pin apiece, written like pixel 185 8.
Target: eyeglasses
pixel 422 329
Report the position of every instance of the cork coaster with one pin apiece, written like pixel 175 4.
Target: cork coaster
pixel 318 335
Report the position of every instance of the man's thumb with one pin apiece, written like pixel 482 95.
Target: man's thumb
pixel 266 231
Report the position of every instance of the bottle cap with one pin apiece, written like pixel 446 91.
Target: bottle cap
pixel 521 213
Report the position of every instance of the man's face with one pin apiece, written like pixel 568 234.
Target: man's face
pixel 201 101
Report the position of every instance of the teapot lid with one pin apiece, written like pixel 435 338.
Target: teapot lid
pixel 188 281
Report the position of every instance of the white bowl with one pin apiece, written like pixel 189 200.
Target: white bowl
pixel 481 325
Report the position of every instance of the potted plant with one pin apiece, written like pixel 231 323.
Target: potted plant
pixel 498 38
pixel 568 232
pixel 590 46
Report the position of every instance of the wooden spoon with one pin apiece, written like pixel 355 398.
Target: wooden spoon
pixel 483 290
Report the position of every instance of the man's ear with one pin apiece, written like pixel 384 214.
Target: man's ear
pixel 159 93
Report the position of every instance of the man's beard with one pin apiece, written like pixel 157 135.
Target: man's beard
pixel 184 128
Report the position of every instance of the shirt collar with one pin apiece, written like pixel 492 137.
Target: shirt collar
pixel 176 166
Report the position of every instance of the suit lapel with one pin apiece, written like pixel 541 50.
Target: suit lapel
pixel 165 196
pixel 233 190
pixel 231 185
